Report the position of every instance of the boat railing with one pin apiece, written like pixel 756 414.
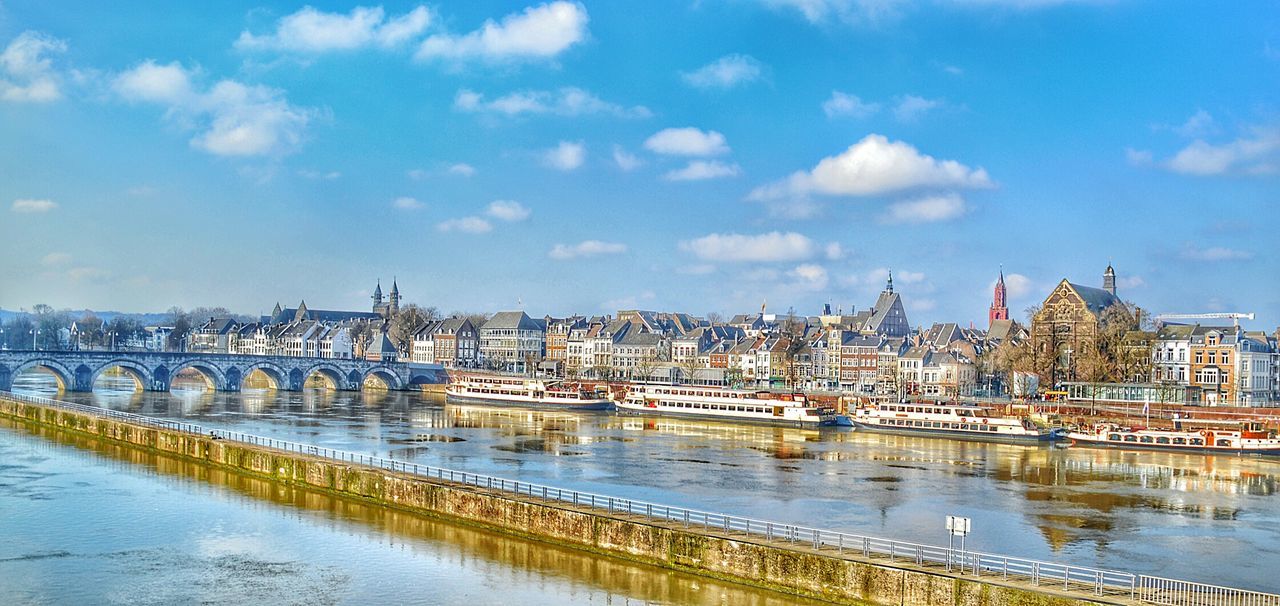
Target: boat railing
pixel 1079 580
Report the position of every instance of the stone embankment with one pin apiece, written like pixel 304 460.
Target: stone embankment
pixel 793 568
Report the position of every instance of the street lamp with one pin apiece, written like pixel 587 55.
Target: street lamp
pixel 34 334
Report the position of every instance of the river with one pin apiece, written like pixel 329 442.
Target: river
pixel 1209 519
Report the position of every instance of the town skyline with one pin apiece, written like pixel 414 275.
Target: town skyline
pixel 488 154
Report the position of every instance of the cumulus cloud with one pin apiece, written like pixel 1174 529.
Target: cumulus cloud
pixel 539 32
pixel 625 160
pixel 854 12
pixel 873 166
pixel 507 210
pixel 466 225
pixel 1215 253
pixel 232 119
pixel 313 31
pixel 587 248
pixel 32 206
pixel 1199 124
pixel 687 141
pixel 772 246
pixel 910 108
pixel 26 71
pixel 928 209
pixel 55 259
pixel 567 101
pixel 462 169
pixel 726 72
pixel 809 276
pixel 407 203
pixel 1257 153
pixel 701 170
pixel 833 251
pixel 880 275
pixel 1137 157
pixel 843 104
pixel 566 156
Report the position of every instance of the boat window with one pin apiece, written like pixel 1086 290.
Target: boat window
pixel 1147 439
pixel 1131 438
pixel 1179 440
pixel 1224 442
pixel 1197 442
pixel 1113 436
pixel 1162 440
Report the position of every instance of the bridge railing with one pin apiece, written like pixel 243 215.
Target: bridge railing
pixel 1066 577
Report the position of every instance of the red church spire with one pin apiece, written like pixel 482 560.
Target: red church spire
pixel 999 310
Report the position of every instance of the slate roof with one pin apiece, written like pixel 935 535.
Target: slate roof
pixel 1095 298
pixel 512 320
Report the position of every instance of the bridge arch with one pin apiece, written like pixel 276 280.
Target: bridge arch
pixel 61 373
pixel 277 376
pixel 332 375
pixel 384 374
pixel 140 374
pixel 213 377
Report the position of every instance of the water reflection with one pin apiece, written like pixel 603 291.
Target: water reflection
pixel 238 539
pixel 1103 508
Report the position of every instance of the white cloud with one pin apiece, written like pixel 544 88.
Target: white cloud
pixel 31 206
pixel 540 32
pixel 407 203
pixel 873 166
pixel 1258 153
pixel 1137 157
pixel 567 101
pixel 700 170
pixel 625 160
pixel 910 108
pixel 687 141
pixel 566 156
pixel 833 251
pixel 313 31
pixel 843 104
pixel 1127 282
pixel 55 259
pixel 319 175
pixel 1199 124
pixel 809 276
pixel 233 119
pixel 772 246
pixel 79 274
pixel 507 210
pixel 1215 253
pixel 880 275
pixel 1016 286
pixel 417 174
pixel 588 248
pixel 462 169
pixel 468 225
pixel 696 269
pixel 726 72
pixel 26 71
pixel 854 12
pixel 928 209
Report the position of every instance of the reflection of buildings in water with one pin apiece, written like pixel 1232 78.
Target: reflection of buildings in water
pixel 517 421
pixel 449 546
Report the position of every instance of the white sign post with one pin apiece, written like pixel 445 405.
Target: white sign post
pixel 956 527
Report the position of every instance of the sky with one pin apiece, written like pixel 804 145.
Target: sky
pixel 697 156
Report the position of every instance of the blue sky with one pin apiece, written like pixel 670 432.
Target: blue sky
pixel 692 156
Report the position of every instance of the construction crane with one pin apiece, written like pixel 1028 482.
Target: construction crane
pixel 1233 316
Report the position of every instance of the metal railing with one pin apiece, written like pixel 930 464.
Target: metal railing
pixel 1053 575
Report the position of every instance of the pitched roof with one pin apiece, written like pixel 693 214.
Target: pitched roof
pixel 1095 298
pixel 512 320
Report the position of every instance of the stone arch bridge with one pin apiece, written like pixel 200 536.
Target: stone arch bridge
pixel 154 371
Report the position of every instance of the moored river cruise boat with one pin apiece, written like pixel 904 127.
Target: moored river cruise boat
pixel 951 421
pixel 725 404
pixel 524 392
pixel 1246 438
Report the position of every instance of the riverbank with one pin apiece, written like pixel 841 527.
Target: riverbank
pixel 796 568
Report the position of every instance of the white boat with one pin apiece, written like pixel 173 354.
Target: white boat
pixel 724 404
pixel 524 392
pixel 951 420
pixel 1247 438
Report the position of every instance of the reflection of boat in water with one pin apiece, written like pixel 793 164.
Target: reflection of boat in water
pixel 965 421
pixel 724 405
pixel 519 391
pixel 1248 438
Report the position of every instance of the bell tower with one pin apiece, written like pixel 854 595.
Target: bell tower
pixel 999 307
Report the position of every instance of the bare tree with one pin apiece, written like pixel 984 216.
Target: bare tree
pixel 689 369
pixel 715 317
pixel 646 365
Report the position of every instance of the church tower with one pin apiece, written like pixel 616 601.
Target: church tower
pixel 999 308
pixel 1109 280
pixel 395 297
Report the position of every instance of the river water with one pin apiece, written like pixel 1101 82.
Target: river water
pixel 1208 519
